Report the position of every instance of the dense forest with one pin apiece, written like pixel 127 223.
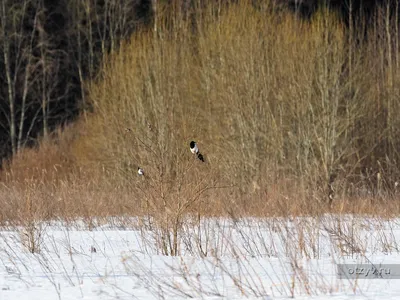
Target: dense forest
pixel 293 104
pixel 48 50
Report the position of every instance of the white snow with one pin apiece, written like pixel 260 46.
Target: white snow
pixel 218 259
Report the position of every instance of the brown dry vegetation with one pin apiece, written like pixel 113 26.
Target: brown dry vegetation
pixel 287 113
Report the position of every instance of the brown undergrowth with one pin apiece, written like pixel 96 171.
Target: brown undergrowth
pixel 289 114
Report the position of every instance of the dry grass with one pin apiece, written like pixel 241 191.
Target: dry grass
pixel 287 113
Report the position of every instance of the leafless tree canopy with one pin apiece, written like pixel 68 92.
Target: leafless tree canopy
pixel 49 49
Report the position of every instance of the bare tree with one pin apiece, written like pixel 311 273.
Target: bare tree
pixel 5 37
pixel 29 68
pixel 17 45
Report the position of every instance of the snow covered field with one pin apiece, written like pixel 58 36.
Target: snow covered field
pixel 219 259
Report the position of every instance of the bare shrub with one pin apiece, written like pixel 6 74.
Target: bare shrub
pixel 292 115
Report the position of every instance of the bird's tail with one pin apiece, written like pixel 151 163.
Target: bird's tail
pixel 200 156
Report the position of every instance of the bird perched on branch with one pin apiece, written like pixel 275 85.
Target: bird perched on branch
pixel 195 150
pixel 140 171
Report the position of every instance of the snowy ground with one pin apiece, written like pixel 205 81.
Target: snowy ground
pixel 219 259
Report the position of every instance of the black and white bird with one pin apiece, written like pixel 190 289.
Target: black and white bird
pixel 195 150
pixel 140 171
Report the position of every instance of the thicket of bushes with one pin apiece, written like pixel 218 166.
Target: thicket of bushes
pixel 290 114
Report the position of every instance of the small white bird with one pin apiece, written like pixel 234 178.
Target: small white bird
pixel 140 171
pixel 195 150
